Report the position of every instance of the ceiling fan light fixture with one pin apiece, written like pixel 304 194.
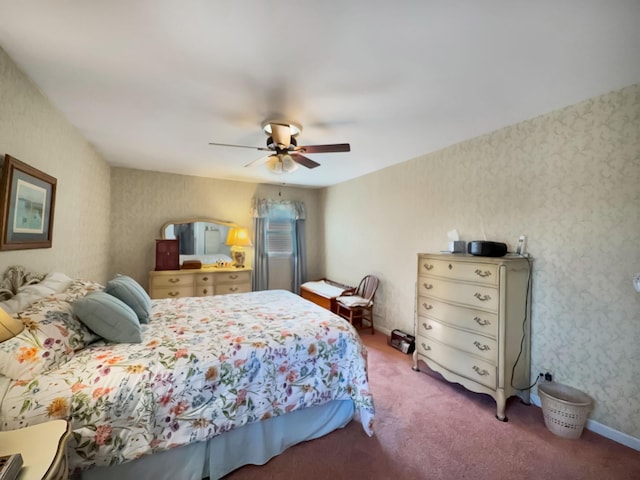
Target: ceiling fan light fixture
pixel 282 163
pixel 295 128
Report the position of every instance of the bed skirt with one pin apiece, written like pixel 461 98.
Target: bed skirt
pixel 253 444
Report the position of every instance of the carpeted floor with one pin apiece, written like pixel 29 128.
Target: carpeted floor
pixel 427 428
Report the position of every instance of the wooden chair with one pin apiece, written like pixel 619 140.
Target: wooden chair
pixel 357 305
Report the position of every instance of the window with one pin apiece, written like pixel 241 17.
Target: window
pixel 280 231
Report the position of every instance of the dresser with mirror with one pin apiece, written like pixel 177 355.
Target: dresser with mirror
pixel 203 241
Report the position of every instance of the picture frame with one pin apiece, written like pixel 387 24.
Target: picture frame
pixel 28 198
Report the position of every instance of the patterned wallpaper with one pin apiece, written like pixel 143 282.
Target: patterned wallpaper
pixel 570 182
pixel 33 131
pixel 143 201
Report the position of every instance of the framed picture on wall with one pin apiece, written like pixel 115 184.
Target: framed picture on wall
pixel 28 200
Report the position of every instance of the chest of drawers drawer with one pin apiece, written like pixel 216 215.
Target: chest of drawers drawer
pixel 479 345
pixel 458 362
pixel 477 296
pixel 467 272
pixel 485 323
pixel 224 288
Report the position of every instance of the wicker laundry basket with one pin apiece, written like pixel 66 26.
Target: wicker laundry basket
pixel 565 409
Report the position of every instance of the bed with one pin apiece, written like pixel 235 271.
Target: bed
pixel 213 383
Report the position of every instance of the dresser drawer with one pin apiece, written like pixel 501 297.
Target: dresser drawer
pixel 224 288
pixel 468 294
pixel 456 361
pixel 484 347
pixel 204 290
pixel 161 281
pixel 465 271
pixel 233 277
pixel 204 280
pixel 171 292
pixel 479 321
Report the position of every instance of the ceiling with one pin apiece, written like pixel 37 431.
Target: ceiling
pixel 151 83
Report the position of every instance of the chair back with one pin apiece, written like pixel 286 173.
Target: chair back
pixel 367 288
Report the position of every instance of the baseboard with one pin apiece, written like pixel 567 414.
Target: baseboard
pixel 600 429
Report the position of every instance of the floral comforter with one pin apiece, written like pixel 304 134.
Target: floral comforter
pixel 206 365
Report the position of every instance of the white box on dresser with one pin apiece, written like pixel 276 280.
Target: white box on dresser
pixel 473 322
pixel 198 282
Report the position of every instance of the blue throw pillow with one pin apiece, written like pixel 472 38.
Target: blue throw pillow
pixel 130 292
pixel 109 317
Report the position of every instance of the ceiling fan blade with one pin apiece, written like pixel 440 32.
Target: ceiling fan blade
pixel 338 147
pixel 264 149
pixel 304 161
pixel 258 161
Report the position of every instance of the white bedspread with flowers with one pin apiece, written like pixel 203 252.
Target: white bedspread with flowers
pixel 206 365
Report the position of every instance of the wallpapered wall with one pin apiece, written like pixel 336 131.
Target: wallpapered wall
pixel 33 131
pixel 143 201
pixel 570 181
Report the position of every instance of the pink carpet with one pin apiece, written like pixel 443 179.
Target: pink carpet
pixel 427 428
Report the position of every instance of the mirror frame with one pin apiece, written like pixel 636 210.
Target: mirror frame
pixel 194 220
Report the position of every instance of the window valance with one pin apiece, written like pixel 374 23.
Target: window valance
pixel 261 207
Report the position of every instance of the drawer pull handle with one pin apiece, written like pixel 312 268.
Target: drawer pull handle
pixel 427 326
pixel 173 294
pixel 427 306
pixel 205 291
pixel 426 347
pixel 233 277
pixel 481 322
pixel 204 279
pixel 174 280
pixel 482 298
pixel 482 373
pixel 450 267
pixel 484 348
pixel 480 273
pixel 427 286
pixel 428 266
pixel 233 289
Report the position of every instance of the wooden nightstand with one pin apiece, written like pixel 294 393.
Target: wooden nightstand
pixel 42 448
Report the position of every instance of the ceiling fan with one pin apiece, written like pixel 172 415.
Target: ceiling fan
pixel 285 154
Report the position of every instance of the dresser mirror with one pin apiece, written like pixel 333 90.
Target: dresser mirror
pixel 202 239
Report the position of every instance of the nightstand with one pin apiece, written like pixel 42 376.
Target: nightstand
pixel 42 448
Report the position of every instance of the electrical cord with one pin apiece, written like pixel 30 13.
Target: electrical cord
pixel 524 327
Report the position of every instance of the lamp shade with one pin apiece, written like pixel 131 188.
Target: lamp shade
pixel 9 326
pixel 238 237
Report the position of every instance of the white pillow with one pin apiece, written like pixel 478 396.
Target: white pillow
pixel 54 282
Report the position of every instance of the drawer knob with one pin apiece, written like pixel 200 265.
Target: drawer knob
pixel 481 372
pixel 205 291
pixel 482 274
pixel 173 294
pixel 427 306
pixel 481 322
pixel 428 266
pixel 427 326
pixel 450 267
pixel 482 298
pixel 204 279
pixel 426 347
pixel 481 347
pixel 427 286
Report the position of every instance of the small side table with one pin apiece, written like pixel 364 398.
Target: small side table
pixel 42 448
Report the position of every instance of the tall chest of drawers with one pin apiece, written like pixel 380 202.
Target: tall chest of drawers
pixel 198 282
pixel 473 323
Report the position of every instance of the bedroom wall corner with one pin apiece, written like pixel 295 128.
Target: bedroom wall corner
pixel 35 132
